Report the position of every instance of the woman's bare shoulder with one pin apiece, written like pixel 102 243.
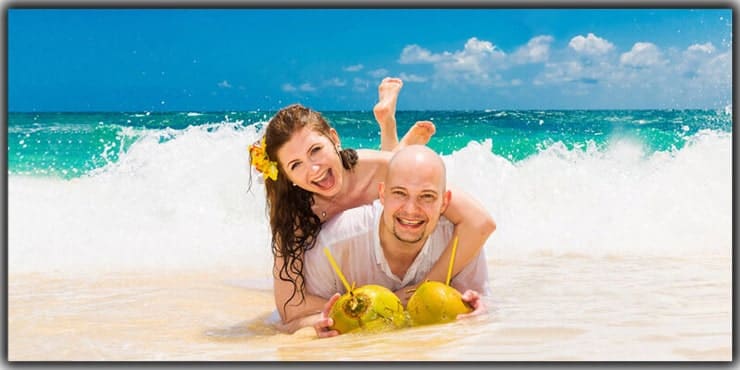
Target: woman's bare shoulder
pixel 374 156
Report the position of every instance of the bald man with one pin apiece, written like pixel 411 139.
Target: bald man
pixel 395 241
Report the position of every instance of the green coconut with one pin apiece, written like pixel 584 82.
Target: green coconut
pixel 435 303
pixel 368 308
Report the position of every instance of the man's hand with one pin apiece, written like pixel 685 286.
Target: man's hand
pixel 472 298
pixel 323 325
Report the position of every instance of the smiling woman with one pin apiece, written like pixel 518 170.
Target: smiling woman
pixel 315 169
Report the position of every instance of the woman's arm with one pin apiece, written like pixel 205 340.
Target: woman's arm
pixel 473 225
pixel 294 312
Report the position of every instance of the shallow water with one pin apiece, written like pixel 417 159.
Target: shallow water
pixel 543 308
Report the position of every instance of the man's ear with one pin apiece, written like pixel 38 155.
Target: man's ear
pixel 381 192
pixel 334 137
pixel 445 201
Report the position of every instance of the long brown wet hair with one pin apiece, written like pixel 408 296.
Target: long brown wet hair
pixel 293 223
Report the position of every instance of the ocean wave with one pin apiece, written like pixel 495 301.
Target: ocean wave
pixel 142 210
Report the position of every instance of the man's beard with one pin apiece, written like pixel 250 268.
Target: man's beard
pixel 395 233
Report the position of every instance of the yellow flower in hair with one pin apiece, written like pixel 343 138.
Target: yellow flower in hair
pixel 261 161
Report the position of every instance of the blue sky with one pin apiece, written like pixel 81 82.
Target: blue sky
pixel 333 59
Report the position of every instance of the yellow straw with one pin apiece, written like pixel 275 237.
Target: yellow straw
pixel 452 261
pixel 336 268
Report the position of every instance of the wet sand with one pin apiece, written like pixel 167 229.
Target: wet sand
pixel 544 308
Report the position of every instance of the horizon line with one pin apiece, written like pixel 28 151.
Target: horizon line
pixel 730 106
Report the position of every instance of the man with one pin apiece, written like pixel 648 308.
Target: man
pixel 395 241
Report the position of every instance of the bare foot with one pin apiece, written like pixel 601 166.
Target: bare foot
pixel 385 111
pixel 419 133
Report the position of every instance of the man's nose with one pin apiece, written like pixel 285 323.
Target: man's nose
pixel 410 205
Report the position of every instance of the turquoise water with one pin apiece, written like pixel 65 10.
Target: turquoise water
pixel 70 145
pixel 126 189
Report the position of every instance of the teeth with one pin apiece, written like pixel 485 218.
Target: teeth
pixel 326 180
pixel 322 177
pixel 407 222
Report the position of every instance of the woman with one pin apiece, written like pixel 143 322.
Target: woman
pixel 309 179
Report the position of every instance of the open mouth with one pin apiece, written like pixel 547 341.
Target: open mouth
pixel 326 181
pixel 409 223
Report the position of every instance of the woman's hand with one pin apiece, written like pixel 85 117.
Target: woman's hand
pixel 324 323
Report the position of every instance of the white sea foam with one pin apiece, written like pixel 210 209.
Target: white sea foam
pixel 178 203
pixel 611 203
pixel 183 203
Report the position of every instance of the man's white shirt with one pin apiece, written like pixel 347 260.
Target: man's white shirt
pixel 353 240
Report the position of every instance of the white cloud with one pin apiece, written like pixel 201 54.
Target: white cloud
pixel 336 82
pixel 567 71
pixel 537 50
pixel 411 77
pixel 359 84
pixel 707 48
pixel 717 70
pixel 287 87
pixel 590 45
pixel 603 69
pixel 704 66
pixel 579 74
pixel 573 78
pixel 378 73
pixel 475 63
pixel 587 65
pixel 643 54
pixel 691 60
pixel 475 46
pixel 416 54
pixel 353 68
pixel 224 84
pixel 306 87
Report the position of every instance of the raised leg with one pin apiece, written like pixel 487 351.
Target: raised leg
pixel 419 133
pixel 385 112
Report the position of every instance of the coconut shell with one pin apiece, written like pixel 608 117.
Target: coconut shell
pixel 368 308
pixel 434 303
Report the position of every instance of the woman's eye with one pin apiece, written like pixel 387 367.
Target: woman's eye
pixel 315 149
pixel 294 166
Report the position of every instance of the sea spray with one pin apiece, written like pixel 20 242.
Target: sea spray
pixel 180 203
pixel 179 197
pixel 613 202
